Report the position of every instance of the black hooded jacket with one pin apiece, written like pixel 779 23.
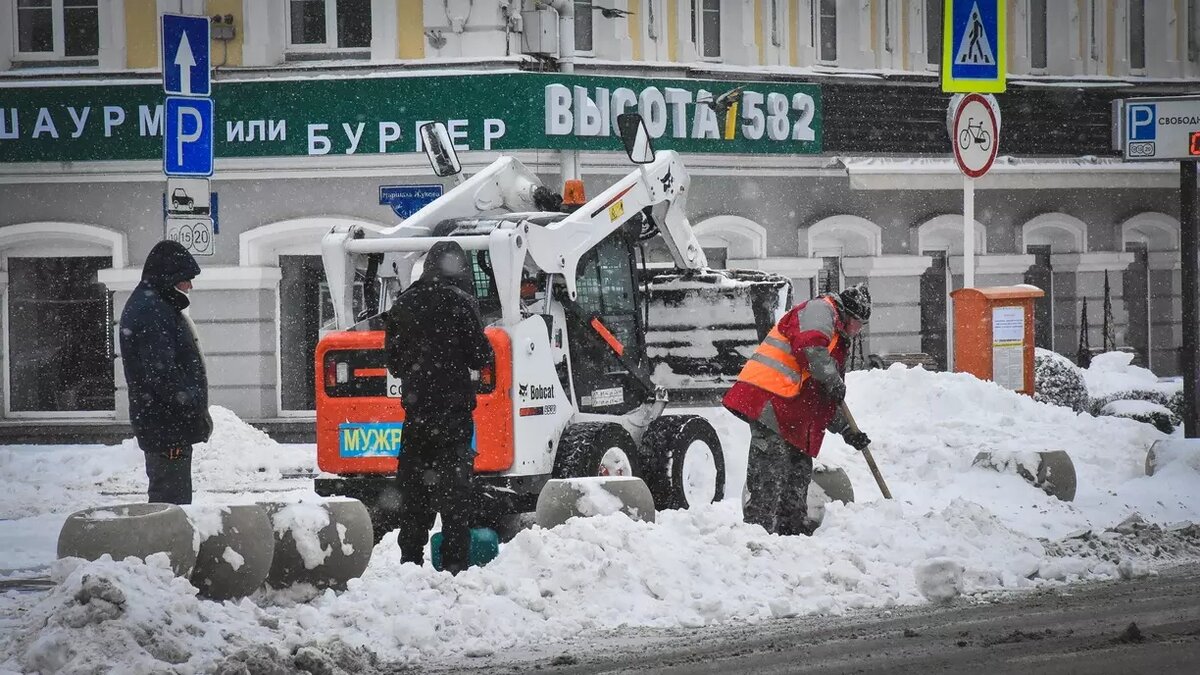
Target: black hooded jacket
pixel 434 335
pixel 168 385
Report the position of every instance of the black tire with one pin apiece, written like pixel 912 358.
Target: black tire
pixel 664 452
pixel 582 448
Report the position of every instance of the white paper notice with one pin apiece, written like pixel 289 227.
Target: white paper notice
pixel 1008 366
pixel 1008 325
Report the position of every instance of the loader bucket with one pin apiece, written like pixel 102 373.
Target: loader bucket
pixel 702 326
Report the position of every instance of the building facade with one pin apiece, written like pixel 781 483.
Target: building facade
pixel 837 168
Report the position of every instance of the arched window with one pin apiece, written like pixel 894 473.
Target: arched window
pixel 945 233
pixel 725 238
pixel 58 318
pixel 1061 232
pixel 1157 231
pixel 305 309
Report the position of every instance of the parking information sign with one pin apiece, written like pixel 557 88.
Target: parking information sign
pixel 195 234
pixel 1158 129
pixel 973 46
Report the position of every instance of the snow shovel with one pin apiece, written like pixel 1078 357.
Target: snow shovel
pixel 887 494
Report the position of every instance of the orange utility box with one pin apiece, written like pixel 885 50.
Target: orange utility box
pixel 993 334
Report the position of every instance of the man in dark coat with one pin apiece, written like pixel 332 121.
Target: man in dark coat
pixel 168 385
pixel 434 339
pixel 789 392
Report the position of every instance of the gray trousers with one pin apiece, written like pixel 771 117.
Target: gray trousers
pixel 777 479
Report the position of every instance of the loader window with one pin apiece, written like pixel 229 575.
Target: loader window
pixel 606 290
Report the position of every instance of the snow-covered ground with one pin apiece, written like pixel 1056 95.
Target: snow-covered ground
pixel 952 528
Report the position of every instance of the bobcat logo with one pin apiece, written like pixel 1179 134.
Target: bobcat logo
pixel 667 181
pixel 535 392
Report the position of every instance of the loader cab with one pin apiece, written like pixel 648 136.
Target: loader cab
pixel 607 290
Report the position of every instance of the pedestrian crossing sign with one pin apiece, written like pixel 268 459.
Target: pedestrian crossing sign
pixel 973 49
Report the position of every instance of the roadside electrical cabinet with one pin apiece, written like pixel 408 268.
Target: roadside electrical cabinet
pixel 993 334
pixel 540 34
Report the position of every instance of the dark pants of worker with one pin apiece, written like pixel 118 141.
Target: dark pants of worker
pixel 170 475
pixel 777 479
pixel 436 476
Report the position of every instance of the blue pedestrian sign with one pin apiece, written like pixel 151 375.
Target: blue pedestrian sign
pixel 974 58
pixel 188 141
pixel 185 55
pixel 406 200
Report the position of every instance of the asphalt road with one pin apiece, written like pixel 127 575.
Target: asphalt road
pixel 1147 625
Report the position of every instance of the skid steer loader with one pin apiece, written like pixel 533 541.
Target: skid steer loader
pixel 577 388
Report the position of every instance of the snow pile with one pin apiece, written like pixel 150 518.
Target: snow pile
pixel 1113 373
pixel 954 528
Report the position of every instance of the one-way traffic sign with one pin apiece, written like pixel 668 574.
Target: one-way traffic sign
pixel 188 141
pixel 185 55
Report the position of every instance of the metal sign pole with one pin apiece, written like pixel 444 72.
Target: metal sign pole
pixel 1188 250
pixel 968 232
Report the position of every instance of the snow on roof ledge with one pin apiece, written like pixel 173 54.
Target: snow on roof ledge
pixel 1009 173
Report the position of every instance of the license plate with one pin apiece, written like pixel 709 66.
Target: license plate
pixel 393 385
pixel 375 439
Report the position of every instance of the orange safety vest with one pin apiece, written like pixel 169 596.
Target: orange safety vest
pixel 773 368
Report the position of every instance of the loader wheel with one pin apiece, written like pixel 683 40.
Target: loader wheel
pixel 595 449
pixel 684 464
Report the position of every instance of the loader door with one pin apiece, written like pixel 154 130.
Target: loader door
pixel 608 292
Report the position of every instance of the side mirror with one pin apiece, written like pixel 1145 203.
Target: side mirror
pixel 636 138
pixel 440 149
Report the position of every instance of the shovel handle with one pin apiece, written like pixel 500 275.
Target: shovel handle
pixel 887 494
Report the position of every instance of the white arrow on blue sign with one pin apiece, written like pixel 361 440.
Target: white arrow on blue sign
pixel 188 141
pixel 185 55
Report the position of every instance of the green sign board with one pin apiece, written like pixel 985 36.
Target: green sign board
pixel 373 115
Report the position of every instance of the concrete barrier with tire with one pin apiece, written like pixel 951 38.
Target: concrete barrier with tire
pixel 325 543
pixel 235 551
pixel 1054 472
pixel 682 462
pixel 124 530
pixel 562 499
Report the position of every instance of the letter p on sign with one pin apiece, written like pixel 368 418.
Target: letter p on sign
pixel 1142 125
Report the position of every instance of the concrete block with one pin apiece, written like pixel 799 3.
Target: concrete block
pixel 125 530
pixel 1052 470
pixel 324 543
pixel 1170 451
pixel 566 498
pixel 234 549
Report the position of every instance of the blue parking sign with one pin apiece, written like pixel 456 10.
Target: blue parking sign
pixel 188 141
pixel 185 55
pixel 973 47
pixel 1142 122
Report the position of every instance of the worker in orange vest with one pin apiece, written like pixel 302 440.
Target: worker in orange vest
pixel 789 392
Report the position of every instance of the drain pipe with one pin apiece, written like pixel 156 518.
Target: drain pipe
pixel 568 159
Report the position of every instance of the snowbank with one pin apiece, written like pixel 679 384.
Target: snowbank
pixel 952 529
pixel 1112 373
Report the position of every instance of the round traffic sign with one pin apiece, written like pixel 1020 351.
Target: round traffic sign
pixel 975 135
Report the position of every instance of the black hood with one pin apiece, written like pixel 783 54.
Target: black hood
pixel 168 264
pixel 447 263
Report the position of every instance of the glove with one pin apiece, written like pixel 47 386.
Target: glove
pixel 836 391
pixel 857 440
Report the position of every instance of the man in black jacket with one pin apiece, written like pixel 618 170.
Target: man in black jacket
pixel 168 385
pixel 434 338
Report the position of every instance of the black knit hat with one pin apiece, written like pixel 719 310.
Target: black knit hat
pixel 856 300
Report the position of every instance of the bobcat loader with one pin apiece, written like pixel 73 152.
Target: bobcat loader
pixel 577 388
